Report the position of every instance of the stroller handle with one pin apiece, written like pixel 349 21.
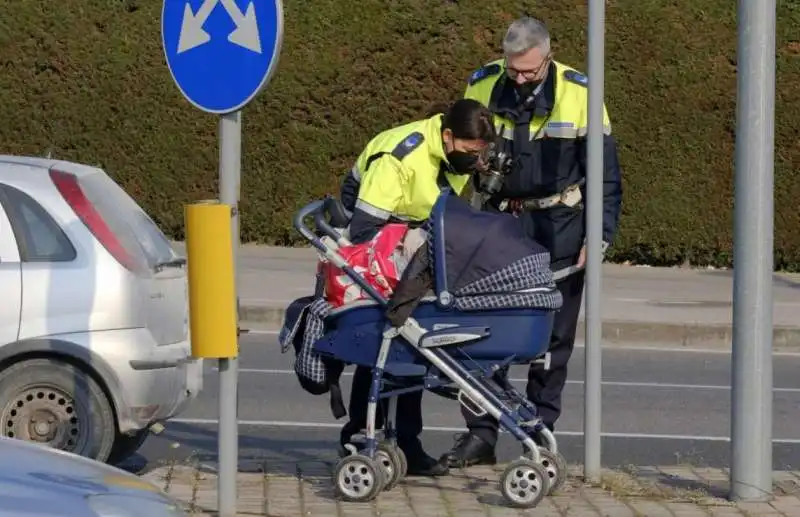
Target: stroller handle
pixel 319 210
pixel 316 209
pixel 322 224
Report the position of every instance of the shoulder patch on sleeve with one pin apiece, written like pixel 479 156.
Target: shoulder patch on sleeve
pixel 408 144
pixel 576 77
pixel 484 72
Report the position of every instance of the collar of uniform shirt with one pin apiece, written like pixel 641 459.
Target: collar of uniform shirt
pixel 434 136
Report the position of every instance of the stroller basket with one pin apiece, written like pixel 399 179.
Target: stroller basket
pixel 487 337
pixel 477 297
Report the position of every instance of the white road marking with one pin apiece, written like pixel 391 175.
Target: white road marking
pixel 656 385
pixel 675 350
pixel 327 425
pixel 683 302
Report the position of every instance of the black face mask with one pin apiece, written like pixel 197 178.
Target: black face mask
pixel 525 91
pixel 463 163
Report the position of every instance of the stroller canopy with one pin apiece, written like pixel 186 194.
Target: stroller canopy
pixel 474 261
pixel 469 245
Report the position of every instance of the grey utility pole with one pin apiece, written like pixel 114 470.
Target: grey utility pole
pixel 594 241
pixel 751 393
pixel 230 164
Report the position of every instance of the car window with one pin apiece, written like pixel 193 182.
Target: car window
pixel 39 237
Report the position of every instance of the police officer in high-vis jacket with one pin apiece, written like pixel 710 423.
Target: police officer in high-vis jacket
pixel 398 177
pixel 540 110
pixel 401 171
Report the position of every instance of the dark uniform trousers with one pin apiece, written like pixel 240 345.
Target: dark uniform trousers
pixel 408 423
pixel 409 416
pixel 545 386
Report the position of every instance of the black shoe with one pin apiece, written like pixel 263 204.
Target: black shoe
pixel 469 450
pixel 420 464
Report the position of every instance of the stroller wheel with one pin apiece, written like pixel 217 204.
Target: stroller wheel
pixel 524 483
pixel 555 466
pixel 388 459
pixel 358 478
pixel 401 458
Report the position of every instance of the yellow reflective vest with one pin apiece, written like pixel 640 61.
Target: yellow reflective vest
pixel 402 171
pixel 568 118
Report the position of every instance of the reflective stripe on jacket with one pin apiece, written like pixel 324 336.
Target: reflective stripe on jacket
pixel 398 176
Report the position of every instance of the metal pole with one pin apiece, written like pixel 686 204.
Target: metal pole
pixel 751 383
pixel 594 241
pixel 230 148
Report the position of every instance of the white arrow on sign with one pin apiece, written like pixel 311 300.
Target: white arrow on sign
pixel 192 33
pixel 245 35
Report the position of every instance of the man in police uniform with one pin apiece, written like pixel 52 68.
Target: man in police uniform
pixel 540 110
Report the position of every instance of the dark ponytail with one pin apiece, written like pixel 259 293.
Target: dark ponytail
pixel 440 108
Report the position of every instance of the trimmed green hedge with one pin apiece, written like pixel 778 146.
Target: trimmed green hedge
pixel 86 79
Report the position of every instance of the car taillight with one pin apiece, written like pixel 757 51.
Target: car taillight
pixel 70 190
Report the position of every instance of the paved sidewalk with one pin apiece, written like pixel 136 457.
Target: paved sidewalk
pixel 305 490
pixel 641 305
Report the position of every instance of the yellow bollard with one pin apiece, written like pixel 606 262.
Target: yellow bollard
pixel 212 298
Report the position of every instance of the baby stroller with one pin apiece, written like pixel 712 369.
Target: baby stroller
pixel 490 308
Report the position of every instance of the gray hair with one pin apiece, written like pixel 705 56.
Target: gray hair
pixel 525 34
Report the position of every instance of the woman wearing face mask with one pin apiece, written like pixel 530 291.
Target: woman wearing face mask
pixel 398 177
pixel 401 171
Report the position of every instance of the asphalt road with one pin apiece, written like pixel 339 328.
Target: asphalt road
pixel 660 407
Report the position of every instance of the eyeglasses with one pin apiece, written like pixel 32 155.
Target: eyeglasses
pixel 530 73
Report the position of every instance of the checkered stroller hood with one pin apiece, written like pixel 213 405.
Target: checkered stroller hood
pixel 483 259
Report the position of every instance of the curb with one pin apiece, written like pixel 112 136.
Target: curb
pixel 614 332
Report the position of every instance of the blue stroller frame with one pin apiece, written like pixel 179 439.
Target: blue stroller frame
pixel 446 340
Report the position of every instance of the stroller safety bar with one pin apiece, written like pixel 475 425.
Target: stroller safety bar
pixel 317 210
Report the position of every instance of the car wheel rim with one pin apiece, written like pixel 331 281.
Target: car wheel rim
pixel 45 415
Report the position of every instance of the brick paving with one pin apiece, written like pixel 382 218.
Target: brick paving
pixel 280 489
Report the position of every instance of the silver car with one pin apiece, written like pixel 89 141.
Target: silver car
pixel 40 481
pixel 94 333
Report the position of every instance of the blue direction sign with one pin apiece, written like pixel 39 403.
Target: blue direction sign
pixel 221 52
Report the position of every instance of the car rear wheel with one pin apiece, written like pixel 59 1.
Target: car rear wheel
pixel 56 404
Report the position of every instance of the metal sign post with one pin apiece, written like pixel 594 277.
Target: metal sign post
pixel 751 382
pixel 221 53
pixel 594 241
